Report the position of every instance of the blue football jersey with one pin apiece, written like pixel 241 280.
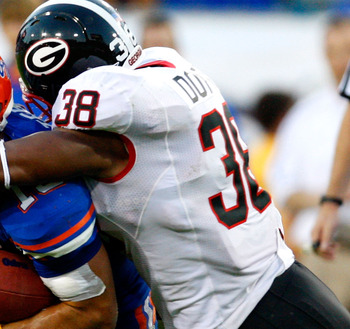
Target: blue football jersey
pixel 22 123
pixel 55 225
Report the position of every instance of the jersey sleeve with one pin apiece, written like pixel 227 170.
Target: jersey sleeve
pixel 344 86
pixel 96 99
pixel 22 123
pixel 53 224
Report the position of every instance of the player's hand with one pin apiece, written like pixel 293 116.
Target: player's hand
pixel 323 231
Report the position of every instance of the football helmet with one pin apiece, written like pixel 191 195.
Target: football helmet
pixel 63 38
pixel 6 95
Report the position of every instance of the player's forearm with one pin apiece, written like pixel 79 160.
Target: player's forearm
pixel 300 201
pixel 65 316
pixel 340 177
pixel 62 154
pixel 98 312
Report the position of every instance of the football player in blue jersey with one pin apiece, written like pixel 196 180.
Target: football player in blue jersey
pixel 62 240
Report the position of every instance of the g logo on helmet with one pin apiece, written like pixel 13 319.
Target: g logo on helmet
pixel 46 56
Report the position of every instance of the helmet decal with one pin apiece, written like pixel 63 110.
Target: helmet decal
pixel 63 38
pixel 46 56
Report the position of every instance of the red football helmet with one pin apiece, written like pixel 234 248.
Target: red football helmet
pixel 6 94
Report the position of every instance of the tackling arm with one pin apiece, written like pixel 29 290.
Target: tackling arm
pixel 327 219
pixel 64 154
pixel 95 313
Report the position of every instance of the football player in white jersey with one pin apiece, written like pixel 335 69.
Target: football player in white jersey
pixel 168 173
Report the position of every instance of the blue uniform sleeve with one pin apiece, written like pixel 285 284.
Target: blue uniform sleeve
pixel 61 234
pixel 22 123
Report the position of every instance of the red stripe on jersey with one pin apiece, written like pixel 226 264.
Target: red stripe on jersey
pixel 157 63
pixel 64 235
pixel 132 159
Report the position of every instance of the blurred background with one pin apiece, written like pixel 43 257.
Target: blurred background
pixel 248 47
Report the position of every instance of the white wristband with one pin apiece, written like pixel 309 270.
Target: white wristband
pixel 5 167
pixel 75 286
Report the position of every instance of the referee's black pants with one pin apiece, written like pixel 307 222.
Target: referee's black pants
pixel 297 299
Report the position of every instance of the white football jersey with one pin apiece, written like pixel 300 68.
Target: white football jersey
pixel 203 234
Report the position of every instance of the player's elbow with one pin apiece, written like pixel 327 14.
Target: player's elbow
pixel 94 313
pixel 110 316
pixel 102 316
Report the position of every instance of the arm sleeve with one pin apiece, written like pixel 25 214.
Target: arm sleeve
pixel 55 225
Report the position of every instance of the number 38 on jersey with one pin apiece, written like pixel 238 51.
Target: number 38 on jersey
pixel 84 104
pixel 235 161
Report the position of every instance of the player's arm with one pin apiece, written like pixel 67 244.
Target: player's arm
pixel 96 313
pixel 327 219
pixel 63 154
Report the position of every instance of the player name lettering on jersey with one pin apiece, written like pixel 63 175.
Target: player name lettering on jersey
pixel 194 85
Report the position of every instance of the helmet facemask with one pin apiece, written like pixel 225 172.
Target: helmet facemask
pixel 36 104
